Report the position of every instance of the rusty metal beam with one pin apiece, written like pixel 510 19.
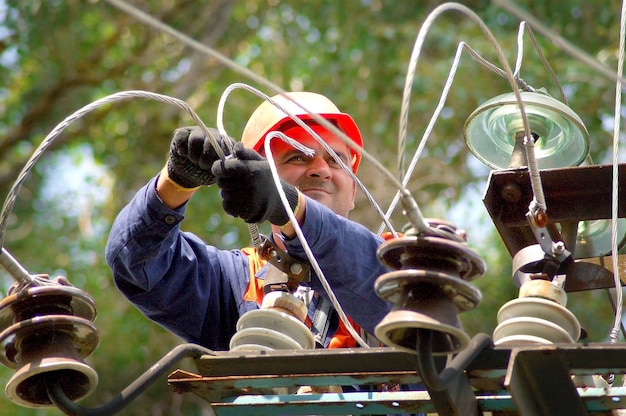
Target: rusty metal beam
pixel 541 384
pixel 238 382
pixel 572 194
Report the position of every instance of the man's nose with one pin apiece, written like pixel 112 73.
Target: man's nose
pixel 319 168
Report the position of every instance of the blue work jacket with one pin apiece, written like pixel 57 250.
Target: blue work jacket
pixel 196 290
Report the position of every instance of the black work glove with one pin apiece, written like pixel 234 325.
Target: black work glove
pixel 248 188
pixel 192 155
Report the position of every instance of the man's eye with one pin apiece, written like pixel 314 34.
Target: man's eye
pixel 333 162
pixel 296 158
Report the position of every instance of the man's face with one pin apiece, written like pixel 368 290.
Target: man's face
pixel 318 177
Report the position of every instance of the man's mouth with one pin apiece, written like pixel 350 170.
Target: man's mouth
pixel 308 191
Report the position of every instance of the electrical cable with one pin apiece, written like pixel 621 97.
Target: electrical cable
pixel 426 366
pixel 417 48
pixel 614 308
pixel 614 334
pixel 49 139
pixel 307 128
pixel 431 124
pixel 539 199
pixel 418 44
pixel 186 40
pixel 66 405
pixel 559 41
pixel 298 229
pixel 525 28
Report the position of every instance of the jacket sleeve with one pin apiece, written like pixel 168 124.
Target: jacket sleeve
pixel 346 253
pixel 174 278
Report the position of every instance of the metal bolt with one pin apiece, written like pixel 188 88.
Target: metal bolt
pixel 511 192
pixel 558 248
pixel 296 268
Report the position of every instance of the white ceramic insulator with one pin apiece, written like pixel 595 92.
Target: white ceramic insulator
pixel 535 320
pixel 278 325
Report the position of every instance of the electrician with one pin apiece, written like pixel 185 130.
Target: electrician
pixel 198 291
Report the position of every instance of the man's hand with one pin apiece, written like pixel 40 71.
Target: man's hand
pixel 248 188
pixel 192 155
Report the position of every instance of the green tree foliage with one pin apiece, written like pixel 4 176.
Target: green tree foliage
pixel 58 56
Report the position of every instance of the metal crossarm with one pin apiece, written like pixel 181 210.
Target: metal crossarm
pixel 265 383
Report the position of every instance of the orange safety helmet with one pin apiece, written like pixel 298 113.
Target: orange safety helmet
pixel 267 118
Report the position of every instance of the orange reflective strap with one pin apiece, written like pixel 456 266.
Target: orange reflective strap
pixel 254 292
